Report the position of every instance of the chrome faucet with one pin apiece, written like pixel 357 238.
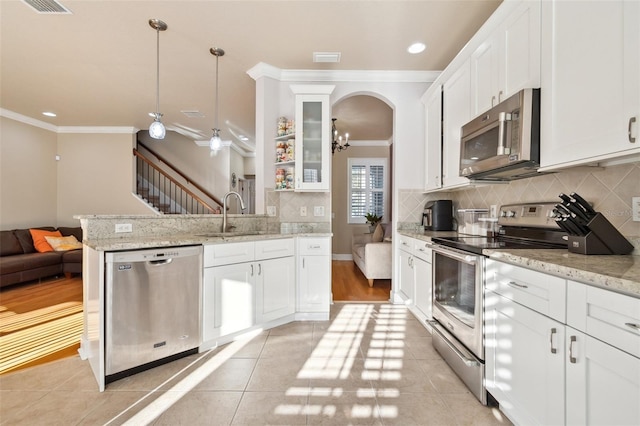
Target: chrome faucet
pixel 224 208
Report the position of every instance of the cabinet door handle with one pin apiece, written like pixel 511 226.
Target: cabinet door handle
pixel 572 359
pixel 303 263
pixel 493 101
pixel 632 325
pixel 259 268
pixel 631 121
pixel 553 331
pixel 500 93
pixel 515 284
pixel 251 270
pixel 314 247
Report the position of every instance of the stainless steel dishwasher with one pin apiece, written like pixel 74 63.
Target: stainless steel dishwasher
pixel 152 310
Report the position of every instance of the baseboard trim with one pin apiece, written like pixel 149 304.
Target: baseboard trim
pixel 341 257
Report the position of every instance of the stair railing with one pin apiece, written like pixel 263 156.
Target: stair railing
pixel 164 192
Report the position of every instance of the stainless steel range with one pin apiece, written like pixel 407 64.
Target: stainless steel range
pixel 458 284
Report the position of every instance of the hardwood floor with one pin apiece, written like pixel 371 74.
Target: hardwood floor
pixel 40 322
pixel 348 284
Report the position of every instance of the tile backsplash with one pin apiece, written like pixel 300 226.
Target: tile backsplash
pixel 608 189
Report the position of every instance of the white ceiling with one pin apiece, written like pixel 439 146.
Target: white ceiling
pixel 97 66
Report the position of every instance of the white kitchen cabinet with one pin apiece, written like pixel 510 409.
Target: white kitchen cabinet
pixel 456 113
pixel 415 275
pixel 251 283
pixel 524 362
pixel 423 278
pixel 406 284
pixel 509 59
pixel 584 370
pixel 313 137
pixel 228 300
pixel 603 360
pixel 314 275
pixel 275 288
pixel 590 82
pixel 433 137
pixel 603 383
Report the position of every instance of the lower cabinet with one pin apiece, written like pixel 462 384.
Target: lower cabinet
pixel 603 383
pixel 314 275
pixel 275 288
pixel 524 362
pixel 405 271
pixel 581 367
pixel 228 300
pixel 258 286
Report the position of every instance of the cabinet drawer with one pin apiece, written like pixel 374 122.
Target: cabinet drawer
pixel 405 243
pixel 543 293
pixel 228 253
pixel 314 246
pixel 422 250
pixel 271 249
pixel 605 315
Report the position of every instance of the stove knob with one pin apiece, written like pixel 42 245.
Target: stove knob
pixel 511 213
pixel 503 213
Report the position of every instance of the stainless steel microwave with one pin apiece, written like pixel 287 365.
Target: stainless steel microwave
pixel 504 142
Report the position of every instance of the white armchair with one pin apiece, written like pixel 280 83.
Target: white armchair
pixel 373 258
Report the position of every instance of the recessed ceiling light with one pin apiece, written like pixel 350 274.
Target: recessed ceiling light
pixel 49 114
pixel 416 48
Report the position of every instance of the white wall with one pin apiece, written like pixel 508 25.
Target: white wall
pixel 95 176
pixel 28 190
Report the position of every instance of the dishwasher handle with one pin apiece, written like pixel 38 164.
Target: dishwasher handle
pixel 160 262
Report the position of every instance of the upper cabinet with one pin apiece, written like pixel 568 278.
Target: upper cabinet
pixel 313 137
pixel 456 113
pixel 590 92
pixel 508 60
pixel 433 144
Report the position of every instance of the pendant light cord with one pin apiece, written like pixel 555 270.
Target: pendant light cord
pixel 157 72
pixel 217 93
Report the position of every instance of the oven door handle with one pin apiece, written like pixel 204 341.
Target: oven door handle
pixel 467 359
pixel 456 254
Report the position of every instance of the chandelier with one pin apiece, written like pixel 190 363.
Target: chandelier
pixel 339 143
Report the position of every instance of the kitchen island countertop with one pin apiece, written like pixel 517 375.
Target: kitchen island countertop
pixel 134 243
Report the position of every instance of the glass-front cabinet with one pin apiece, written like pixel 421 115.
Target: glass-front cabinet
pixel 312 137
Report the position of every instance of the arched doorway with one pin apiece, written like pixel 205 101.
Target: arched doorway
pixel 369 122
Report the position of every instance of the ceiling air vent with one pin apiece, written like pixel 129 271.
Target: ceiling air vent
pixel 47 6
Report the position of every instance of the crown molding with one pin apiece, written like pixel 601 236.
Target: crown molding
pixel 66 129
pixel 98 129
pixel 386 143
pixel 379 76
pixel 28 120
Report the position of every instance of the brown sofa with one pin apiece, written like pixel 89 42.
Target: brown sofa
pixel 20 262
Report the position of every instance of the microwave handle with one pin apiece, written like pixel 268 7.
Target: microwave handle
pixel 503 117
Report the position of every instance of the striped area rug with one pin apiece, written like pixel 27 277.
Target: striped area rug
pixel 30 336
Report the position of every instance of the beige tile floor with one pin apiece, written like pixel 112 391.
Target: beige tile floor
pixel 370 364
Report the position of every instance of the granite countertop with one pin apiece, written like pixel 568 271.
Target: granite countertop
pixel 615 272
pixel 134 243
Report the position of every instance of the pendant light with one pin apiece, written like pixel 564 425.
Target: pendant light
pixel 157 129
pixel 216 143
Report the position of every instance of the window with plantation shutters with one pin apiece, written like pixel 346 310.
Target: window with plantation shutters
pixel 367 188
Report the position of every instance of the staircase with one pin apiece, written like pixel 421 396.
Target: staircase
pixel 167 190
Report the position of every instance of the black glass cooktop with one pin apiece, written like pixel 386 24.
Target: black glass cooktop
pixel 475 244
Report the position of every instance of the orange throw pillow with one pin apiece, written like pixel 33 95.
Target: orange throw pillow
pixel 39 242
